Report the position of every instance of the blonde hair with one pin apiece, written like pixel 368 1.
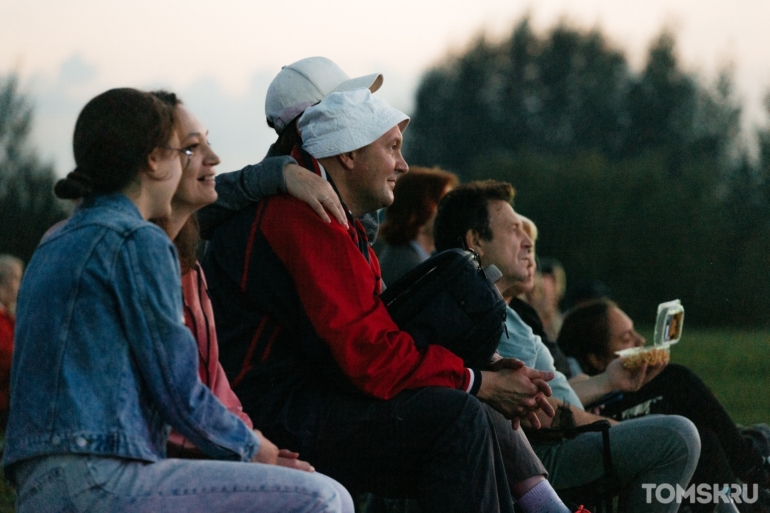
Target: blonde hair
pixel 529 227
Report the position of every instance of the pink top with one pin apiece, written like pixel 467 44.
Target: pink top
pixel 199 317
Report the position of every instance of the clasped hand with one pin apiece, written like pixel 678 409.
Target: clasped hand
pixel 516 391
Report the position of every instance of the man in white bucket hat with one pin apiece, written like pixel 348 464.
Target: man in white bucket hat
pixel 295 88
pixel 321 367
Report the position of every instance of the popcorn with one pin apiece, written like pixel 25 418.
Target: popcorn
pixel 635 357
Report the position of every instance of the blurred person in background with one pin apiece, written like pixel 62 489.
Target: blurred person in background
pixel 586 291
pixel 11 269
pixel 408 227
pixel 522 305
pixel 548 293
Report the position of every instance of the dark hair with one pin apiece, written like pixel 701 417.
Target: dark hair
pixel 188 238
pixel 417 194
pixel 587 291
pixel 585 331
pixel 167 97
pixel 552 267
pixel 287 139
pixel 467 208
pixel 114 134
pixel 549 265
pixel 186 241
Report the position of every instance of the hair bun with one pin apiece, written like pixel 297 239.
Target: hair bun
pixel 76 185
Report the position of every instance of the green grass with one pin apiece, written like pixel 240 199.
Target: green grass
pixel 735 364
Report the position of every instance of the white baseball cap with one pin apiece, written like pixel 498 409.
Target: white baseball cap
pixel 347 121
pixel 305 83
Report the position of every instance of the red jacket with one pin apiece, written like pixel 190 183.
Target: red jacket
pixel 295 295
pixel 338 289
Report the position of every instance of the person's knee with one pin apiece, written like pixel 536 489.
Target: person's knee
pixel 658 442
pixel 688 434
pixel 683 445
pixel 340 498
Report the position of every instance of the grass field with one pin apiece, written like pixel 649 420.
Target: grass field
pixel 735 364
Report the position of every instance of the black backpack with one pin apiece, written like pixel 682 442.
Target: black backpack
pixel 451 301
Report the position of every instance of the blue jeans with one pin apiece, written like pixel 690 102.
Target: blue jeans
pixel 654 449
pixel 84 483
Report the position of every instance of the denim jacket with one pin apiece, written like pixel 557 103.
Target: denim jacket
pixel 103 362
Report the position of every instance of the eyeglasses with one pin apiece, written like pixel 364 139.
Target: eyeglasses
pixel 184 151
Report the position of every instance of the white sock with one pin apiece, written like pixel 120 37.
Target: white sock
pixel 542 499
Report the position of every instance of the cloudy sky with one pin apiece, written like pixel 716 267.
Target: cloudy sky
pixel 220 56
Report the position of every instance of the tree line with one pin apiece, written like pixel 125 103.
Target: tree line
pixel 639 179
pixel 28 206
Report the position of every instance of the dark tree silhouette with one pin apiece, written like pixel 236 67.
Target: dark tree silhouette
pixel 27 204
pixel 636 178
pixel 563 93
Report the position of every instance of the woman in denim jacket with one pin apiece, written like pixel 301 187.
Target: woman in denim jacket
pixel 103 362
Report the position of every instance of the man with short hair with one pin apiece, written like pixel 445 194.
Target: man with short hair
pixel 321 367
pixel 480 214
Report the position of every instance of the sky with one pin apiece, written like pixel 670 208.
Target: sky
pixel 221 56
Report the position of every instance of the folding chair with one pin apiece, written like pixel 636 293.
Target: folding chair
pixel 597 496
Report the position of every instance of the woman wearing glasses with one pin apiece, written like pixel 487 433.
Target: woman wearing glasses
pixel 196 190
pixel 103 362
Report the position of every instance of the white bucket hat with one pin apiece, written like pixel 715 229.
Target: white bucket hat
pixel 305 83
pixel 347 121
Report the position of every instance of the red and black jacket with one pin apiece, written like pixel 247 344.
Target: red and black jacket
pixel 297 305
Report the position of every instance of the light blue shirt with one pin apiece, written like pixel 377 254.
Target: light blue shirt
pixel 520 342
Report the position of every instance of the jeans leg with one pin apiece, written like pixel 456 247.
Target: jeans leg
pixel 654 449
pixel 97 484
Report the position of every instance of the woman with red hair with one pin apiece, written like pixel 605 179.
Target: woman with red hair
pixel 408 226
